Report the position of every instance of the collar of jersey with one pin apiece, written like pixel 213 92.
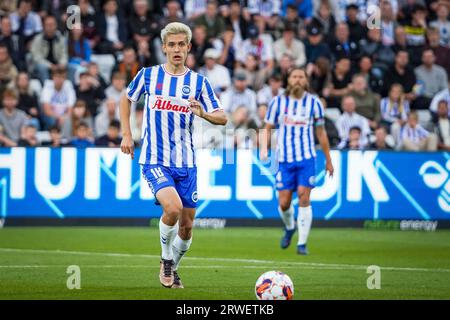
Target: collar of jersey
pixel 175 75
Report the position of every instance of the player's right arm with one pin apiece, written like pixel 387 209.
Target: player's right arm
pixel 127 144
pixel 134 91
pixel 270 120
pixel 265 141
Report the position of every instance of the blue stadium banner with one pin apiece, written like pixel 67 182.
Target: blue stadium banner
pixel 103 182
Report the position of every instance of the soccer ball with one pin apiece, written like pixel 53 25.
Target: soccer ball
pixel 274 285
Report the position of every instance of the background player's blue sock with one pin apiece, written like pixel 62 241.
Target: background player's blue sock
pixel 287 217
pixel 180 247
pixel 167 235
pixel 304 221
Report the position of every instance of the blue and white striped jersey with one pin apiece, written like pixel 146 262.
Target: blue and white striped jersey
pixel 295 119
pixel 167 121
pixel 415 134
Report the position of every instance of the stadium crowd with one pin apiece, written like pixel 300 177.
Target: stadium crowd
pixel 384 79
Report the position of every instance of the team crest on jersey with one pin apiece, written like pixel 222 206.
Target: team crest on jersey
pixel 194 196
pixel 186 90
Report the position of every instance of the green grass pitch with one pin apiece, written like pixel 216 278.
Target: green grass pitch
pixel 123 263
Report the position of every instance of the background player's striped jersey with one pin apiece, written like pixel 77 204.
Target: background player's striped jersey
pixel 167 121
pixel 295 118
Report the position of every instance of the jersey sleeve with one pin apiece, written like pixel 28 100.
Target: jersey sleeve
pixel 137 86
pixel 319 113
pixel 208 98
pixel 273 111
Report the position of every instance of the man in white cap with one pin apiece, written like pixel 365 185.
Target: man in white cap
pixel 218 75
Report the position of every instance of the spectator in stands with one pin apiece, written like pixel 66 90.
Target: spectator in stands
pixel 194 8
pixel 79 52
pixel 256 77
pixel 57 99
pixel 442 53
pixel 80 113
pixel 401 44
pixel 218 75
pixel 109 112
pixel 28 136
pixel 89 22
pixel 388 23
pixel 441 95
pixel 112 137
pixel 11 119
pixel 136 123
pixel 349 118
pixel 257 45
pixel 145 57
pixel 12 42
pixel 82 137
pixel 402 73
pixel 319 75
pixel 267 11
pixel 289 44
pixel 415 31
pixel 49 50
pixel 315 45
pixel 8 70
pixel 367 102
pixel 213 22
pixel 94 72
pixel 199 44
pixel 28 101
pixel 144 26
pixel 7 7
pixel 353 141
pixel 330 127
pixel 431 79
pixel 173 13
pixel 116 88
pixel 413 137
pixel 357 31
pixel 380 140
pixel 373 47
pixel 271 90
pixel 239 95
pixel 191 62
pixel 25 23
pixel 441 125
pixel 129 65
pixel 229 51
pixel 88 92
pixel 340 83
pixel 304 9
pixel 237 22
pixel 56 141
pixel 442 23
pixel 342 46
pixel 394 109
pixel 112 29
pixel 286 63
pixel 241 122
pixel 324 20
pixel 374 76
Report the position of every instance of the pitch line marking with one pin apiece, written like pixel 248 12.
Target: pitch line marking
pixel 281 264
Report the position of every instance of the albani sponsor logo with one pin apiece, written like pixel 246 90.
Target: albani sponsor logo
pixel 163 104
pixel 294 122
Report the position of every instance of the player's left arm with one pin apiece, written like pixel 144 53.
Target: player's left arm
pixel 321 133
pixel 208 107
